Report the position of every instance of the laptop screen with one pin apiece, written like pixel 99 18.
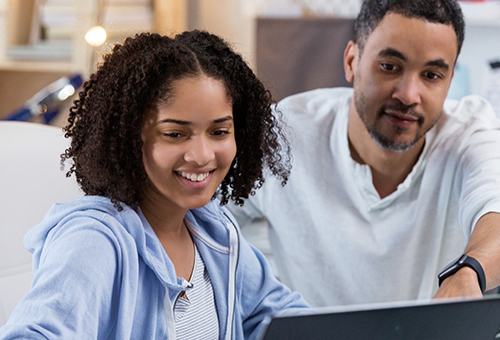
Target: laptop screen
pixel 462 319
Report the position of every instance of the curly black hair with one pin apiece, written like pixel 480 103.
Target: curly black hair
pixel 105 121
pixel 447 12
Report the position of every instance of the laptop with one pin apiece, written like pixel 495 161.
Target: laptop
pixel 457 319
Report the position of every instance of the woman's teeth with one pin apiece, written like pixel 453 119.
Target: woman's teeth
pixel 194 177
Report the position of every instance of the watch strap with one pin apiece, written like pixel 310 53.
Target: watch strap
pixel 476 266
pixel 465 261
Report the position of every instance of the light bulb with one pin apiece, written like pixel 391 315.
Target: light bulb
pixel 96 36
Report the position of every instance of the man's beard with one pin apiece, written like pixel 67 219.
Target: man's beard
pixel 377 136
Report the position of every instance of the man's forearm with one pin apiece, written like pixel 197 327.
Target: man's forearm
pixel 484 246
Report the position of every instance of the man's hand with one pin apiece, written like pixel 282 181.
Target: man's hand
pixel 463 283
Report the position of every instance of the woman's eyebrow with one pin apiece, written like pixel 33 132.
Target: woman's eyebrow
pixel 183 122
pixel 174 121
pixel 224 119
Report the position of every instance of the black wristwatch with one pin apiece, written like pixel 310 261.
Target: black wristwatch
pixel 464 261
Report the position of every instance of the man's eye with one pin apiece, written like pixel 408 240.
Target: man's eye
pixel 432 75
pixel 389 67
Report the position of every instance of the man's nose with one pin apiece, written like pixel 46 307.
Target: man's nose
pixel 408 90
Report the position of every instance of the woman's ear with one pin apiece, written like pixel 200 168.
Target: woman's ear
pixel 350 58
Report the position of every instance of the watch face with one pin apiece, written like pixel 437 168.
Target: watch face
pixel 451 268
pixel 454 263
pixel 461 259
pixel 464 261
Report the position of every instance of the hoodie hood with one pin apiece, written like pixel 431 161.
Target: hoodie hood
pixel 128 225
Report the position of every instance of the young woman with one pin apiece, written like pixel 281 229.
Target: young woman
pixel 162 127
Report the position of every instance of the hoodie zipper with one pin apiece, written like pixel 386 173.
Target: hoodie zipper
pixel 233 252
pixel 169 310
pixel 233 264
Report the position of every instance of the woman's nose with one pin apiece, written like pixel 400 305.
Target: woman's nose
pixel 200 151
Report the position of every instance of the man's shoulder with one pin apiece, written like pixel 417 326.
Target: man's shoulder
pixel 469 108
pixel 464 118
pixel 315 101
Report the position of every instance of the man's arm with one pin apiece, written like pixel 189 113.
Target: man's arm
pixel 484 246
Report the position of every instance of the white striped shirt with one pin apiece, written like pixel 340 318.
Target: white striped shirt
pixel 195 314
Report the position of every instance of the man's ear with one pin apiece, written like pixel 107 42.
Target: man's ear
pixel 350 57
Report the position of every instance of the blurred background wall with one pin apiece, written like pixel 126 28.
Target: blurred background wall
pixel 294 45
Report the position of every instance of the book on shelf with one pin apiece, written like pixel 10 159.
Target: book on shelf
pixel 58 21
pixel 57 15
pixel 127 20
pixel 57 50
pixel 105 2
pixel 55 27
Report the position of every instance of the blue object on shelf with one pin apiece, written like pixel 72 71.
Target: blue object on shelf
pixel 459 87
pixel 47 102
pixel 493 91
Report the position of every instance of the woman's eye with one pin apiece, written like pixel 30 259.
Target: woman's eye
pixel 173 134
pixel 220 132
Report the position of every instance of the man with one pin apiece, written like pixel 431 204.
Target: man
pixel 389 183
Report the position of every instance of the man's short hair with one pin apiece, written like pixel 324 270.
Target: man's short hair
pixel 447 12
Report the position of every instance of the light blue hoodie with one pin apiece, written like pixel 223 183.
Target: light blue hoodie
pixel 103 274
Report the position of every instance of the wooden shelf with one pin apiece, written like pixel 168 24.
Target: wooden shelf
pixel 21 78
